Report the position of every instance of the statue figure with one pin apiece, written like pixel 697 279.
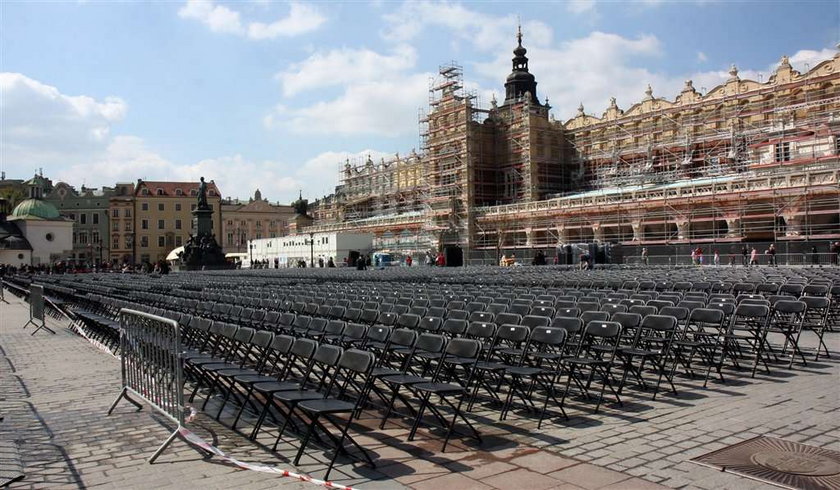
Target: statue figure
pixel 202 195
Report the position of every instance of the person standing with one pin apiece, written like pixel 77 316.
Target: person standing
pixel 503 261
pixel 693 256
pixel 754 257
pixel 771 253
pixel 645 256
pixel 716 258
pixel 833 252
pixel 331 263
pixel 408 261
pixel 745 252
pixel 441 260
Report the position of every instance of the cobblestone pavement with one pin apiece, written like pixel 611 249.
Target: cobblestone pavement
pixel 56 391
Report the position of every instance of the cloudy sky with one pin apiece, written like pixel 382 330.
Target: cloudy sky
pixel 274 95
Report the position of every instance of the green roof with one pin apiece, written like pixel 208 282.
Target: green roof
pixel 35 209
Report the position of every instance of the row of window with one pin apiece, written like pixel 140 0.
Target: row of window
pixel 258 224
pixel 161 224
pixel 231 239
pixel 82 218
pixel 178 192
pixel 144 206
pixel 83 238
pixel 162 241
pixel 115 212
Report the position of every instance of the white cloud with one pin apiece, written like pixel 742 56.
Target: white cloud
pixel 302 18
pixel 701 57
pixel 42 126
pixel 387 107
pixel 588 70
pixel 217 17
pixel 805 59
pixel 580 6
pixel 344 66
pixel 70 137
pixel 485 32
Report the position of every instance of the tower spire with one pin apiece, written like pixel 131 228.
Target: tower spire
pixel 520 83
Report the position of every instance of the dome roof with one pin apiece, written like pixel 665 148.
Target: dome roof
pixel 35 209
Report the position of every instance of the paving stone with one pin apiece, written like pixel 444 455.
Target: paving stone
pixel 589 476
pixel 521 478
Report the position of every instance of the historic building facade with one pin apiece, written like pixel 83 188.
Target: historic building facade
pixel 253 219
pixel 163 216
pixel 88 208
pixel 746 162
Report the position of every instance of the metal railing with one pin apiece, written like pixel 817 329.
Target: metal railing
pixel 152 367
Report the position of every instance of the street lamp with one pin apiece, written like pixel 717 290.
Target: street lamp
pixel 311 249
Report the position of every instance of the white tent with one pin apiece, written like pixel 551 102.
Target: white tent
pixel 173 255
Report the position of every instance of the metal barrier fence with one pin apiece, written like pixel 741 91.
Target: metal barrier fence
pixel 36 310
pixel 152 367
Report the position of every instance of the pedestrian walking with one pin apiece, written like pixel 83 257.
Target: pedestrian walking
pixel 716 258
pixel 645 256
pixel 771 253
pixel 754 257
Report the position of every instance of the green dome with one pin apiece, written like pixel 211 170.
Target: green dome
pixel 35 208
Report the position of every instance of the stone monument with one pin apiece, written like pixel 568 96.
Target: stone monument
pixel 201 250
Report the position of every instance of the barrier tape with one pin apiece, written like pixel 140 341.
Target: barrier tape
pixel 195 440
pixel 99 345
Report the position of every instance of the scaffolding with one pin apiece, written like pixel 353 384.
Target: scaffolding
pixel 745 162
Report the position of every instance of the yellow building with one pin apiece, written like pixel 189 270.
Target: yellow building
pixel 163 217
pixel 253 219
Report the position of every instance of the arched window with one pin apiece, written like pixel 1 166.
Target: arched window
pixel 179 192
pixel 159 191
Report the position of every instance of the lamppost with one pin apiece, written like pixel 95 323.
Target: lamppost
pixel 311 249
pixel 251 254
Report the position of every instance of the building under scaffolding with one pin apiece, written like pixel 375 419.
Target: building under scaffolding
pixel 747 162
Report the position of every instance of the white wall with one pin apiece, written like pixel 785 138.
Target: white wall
pixel 44 250
pixel 11 257
pixel 289 249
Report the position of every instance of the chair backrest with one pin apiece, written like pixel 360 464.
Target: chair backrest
pixel 463 348
pixel 548 336
pixel 408 320
pixel 508 319
pixel 387 318
pixel 572 325
pixel 480 330
pixel 659 322
pixel 430 324
pixel 706 316
pixel 643 310
pixel 590 316
pixel 533 321
pixel 457 314
pixel 481 316
pixel 354 331
pixel 428 342
pixel 679 312
pixel 570 311
pixel 453 327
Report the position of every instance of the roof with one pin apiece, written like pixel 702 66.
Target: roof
pixel 170 189
pixel 11 238
pixel 35 209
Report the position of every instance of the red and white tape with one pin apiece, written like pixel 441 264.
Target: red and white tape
pixel 192 438
pixel 99 345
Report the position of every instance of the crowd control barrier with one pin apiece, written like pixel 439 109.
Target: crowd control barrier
pixel 152 367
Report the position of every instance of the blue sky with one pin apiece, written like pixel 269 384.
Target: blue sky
pixel 274 95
